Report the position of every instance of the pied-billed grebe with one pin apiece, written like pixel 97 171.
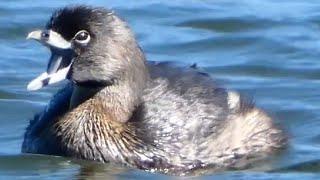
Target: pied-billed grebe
pixel 118 108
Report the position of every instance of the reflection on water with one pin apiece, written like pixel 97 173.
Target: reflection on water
pixel 268 50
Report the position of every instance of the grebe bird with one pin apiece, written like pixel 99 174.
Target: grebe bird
pixel 117 107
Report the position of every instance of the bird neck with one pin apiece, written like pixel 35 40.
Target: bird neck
pixel 120 100
pixel 80 94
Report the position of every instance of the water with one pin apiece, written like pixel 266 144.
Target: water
pixel 267 49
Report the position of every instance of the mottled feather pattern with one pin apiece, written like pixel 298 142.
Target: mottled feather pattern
pixel 152 116
pixel 167 131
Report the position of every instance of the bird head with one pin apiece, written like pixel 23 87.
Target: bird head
pixel 91 47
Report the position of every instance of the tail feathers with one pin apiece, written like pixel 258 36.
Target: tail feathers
pixel 251 127
pixel 250 134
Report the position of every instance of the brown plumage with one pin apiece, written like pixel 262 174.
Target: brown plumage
pixel 153 116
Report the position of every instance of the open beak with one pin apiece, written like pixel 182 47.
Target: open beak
pixel 60 61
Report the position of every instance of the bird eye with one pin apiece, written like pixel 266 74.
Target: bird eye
pixel 82 37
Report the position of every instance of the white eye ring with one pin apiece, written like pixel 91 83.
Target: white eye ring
pixel 82 37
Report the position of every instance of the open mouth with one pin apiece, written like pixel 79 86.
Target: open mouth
pixel 60 62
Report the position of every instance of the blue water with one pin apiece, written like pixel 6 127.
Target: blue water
pixel 267 49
